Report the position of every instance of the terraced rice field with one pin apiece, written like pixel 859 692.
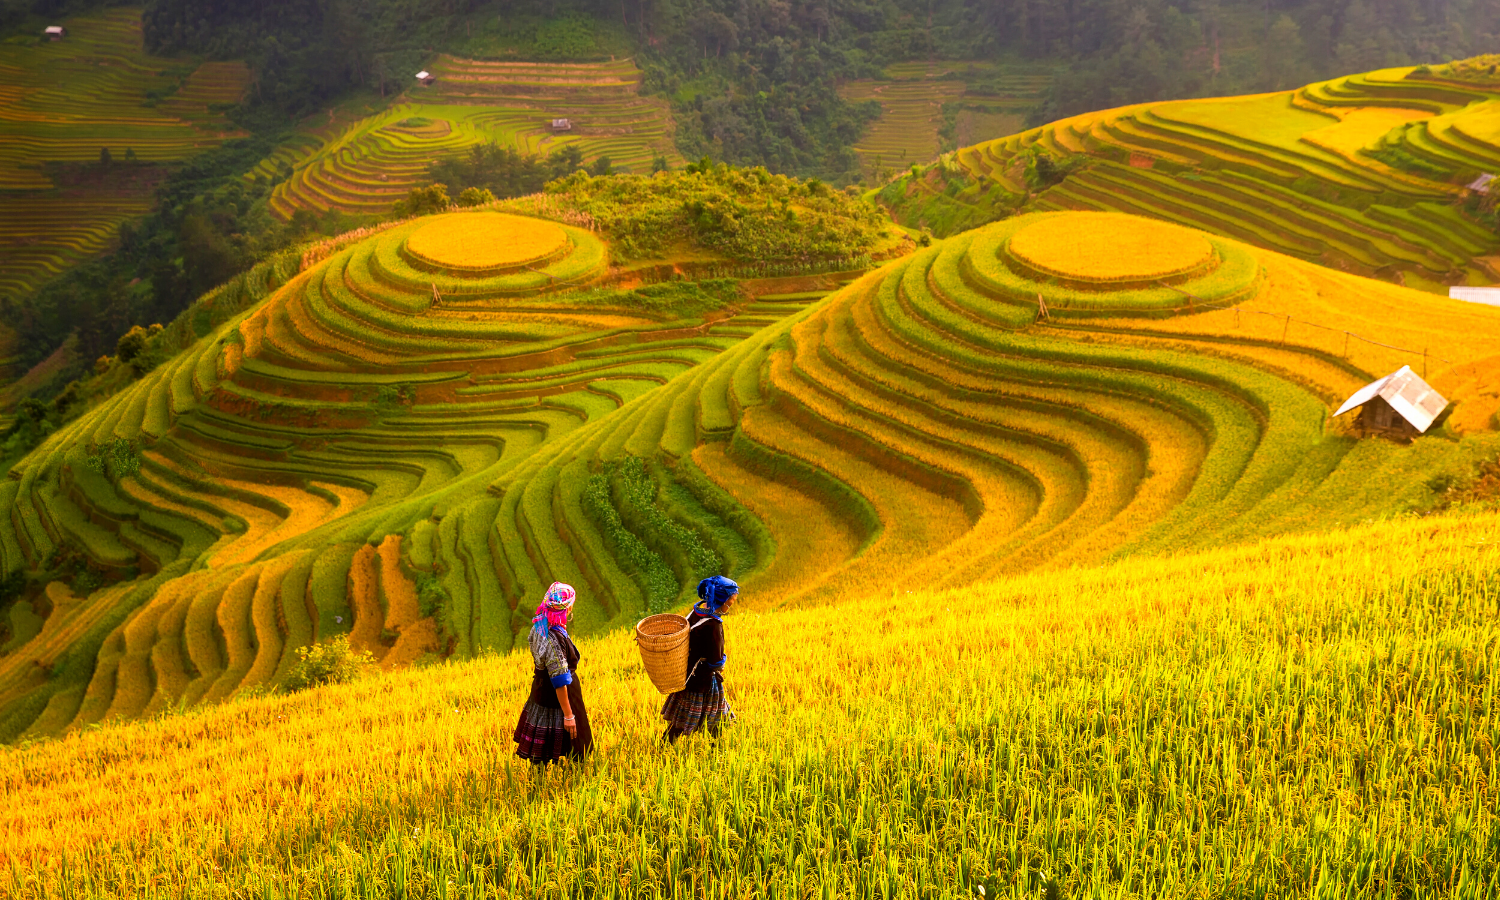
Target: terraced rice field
pixel 911 98
pixel 402 414
pixel 61 103
pixel 1307 173
pixel 376 161
pixel 306 465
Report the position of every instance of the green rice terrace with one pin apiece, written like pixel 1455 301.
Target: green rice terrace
pixel 920 101
pixel 419 428
pixel 1366 173
pixel 374 162
pixel 63 102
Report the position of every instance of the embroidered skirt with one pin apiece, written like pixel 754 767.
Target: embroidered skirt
pixel 688 711
pixel 541 737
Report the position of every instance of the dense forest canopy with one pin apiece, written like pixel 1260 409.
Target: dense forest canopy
pixel 753 78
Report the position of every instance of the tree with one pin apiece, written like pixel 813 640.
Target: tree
pixel 424 200
pixel 131 344
pixel 601 166
pixel 105 157
pixel 474 196
pixel 1283 55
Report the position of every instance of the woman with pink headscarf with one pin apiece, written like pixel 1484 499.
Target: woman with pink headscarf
pixel 554 723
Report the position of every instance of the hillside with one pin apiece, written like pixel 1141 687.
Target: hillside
pixel 61 104
pixel 1364 173
pixel 415 435
pixel 375 396
pixel 924 105
pixel 1265 720
pixel 375 161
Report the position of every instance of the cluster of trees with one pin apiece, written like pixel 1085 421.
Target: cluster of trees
pixel 753 81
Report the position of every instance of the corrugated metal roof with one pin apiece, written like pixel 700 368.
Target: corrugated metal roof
pixel 424 74
pixel 1482 183
pixel 1410 396
pixel 1488 295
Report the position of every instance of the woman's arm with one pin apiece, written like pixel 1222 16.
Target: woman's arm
pixel 715 656
pixel 568 721
pixel 557 670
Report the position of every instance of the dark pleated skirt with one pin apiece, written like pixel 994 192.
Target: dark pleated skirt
pixel 541 737
pixel 687 712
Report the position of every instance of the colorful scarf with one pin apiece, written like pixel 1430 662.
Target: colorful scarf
pixel 552 612
pixel 714 592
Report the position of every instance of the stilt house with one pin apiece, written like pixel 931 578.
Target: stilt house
pixel 55 32
pixel 1400 405
pixel 562 125
pixel 426 77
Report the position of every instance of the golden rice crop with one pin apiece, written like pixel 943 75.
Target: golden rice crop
pixel 1264 720
pixel 1091 246
pixel 485 240
pixel 1323 304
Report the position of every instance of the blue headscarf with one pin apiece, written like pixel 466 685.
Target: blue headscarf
pixel 713 592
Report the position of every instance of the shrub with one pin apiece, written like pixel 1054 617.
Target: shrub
pixel 115 459
pixel 331 662
pixel 431 594
pixel 474 196
pixel 131 344
pixel 424 200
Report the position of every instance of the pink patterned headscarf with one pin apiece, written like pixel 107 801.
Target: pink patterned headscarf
pixel 552 612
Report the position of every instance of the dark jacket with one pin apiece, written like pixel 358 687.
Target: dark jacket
pixel 706 651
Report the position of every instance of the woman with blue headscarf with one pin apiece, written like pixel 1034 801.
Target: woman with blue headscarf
pixel 700 705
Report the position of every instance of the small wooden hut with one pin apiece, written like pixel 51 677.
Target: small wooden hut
pixel 1399 405
pixel 426 77
pixel 562 125
pixel 55 32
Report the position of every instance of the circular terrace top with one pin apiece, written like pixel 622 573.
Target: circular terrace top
pixel 485 241
pixel 1109 247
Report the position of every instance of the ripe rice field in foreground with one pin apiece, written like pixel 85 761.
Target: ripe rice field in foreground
pixel 1364 173
pixel 1311 716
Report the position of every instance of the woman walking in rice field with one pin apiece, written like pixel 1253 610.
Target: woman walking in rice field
pixel 700 705
pixel 554 722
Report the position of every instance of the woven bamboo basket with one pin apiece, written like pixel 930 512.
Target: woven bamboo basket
pixel 663 641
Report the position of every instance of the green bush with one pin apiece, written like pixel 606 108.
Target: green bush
pixel 115 459
pixel 331 662
pixel 474 196
pixel 744 214
pixel 648 568
pixel 569 37
pixel 431 594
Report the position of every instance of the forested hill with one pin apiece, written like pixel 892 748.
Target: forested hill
pixel 752 79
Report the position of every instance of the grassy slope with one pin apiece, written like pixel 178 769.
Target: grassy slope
pixel 63 102
pixel 918 420
pixel 1360 173
pixel 373 162
pixel 1308 716
pixel 986 100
